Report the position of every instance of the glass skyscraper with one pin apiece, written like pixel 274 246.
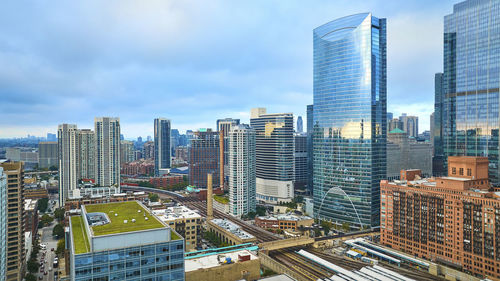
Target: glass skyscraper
pixel 350 118
pixel 471 81
pixel 162 144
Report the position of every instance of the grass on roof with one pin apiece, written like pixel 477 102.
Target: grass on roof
pixel 174 236
pixel 221 199
pixel 80 237
pixel 126 211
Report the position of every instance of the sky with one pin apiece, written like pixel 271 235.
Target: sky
pixel 192 61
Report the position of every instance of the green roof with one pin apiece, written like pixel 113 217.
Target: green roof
pixel 397 131
pixel 221 199
pixel 125 211
pixel 80 237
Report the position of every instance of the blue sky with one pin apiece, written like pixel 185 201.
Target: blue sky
pixel 191 61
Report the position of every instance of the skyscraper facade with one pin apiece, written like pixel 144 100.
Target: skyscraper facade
pixel 274 155
pixel 438 158
pixel 127 151
pixel 349 141
pixel 3 224
pixel 300 161
pixel 410 124
pixel 310 123
pixel 471 82
pixel 242 188
pixel 204 158
pixel 87 154
pixel 16 254
pixel 225 126
pixel 162 144
pixel 69 159
pixel 300 125
pixel 107 139
pixel 47 154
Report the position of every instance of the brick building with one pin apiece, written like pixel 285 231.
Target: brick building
pixel 453 220
pixel 284 222
pixel 166 181
pixel 204 158
pixel 139 167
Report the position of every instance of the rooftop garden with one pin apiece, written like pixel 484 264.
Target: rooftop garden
pixel 174 236
pixel 221 199
pixel 80 237
pixel 118 213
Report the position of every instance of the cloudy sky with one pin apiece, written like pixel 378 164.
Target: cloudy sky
pixel 191 61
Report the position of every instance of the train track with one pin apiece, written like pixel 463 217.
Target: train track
pixel 301 265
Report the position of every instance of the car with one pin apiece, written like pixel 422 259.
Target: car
pixel 50 268
pixel 41 269
pixel 40 277
pixel 45 273
pixel 52 249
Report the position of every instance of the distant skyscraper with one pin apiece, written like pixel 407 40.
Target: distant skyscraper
pixel 3 224
pixel 300 125
pixel 389 116
pixel 274 155
pixel 204 158
pixel 69 160
pixel 242 190
pixel 127 151
pixel 162 144
pixel 410 124
pixel 122 137
pixel 471 82
pixel 87 154
pixel 47 154
pixel 149 138
pixel 300 161
pixel 310 123
pixel 174 140
pixel 148 150
pixel 226 125
pixel 107 134
pixel 51 137
pixel 394 123
pixel 350 118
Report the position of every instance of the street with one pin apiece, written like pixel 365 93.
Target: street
pixel 47 239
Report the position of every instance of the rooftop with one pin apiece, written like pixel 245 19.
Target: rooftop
pixel 124 217
pixel 177 212
pixel 214 260
pixel 80 237
pixel 285 217
pixel 233 228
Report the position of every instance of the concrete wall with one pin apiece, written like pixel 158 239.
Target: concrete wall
pixel 247 270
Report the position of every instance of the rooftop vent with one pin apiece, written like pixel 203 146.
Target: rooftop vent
pixel 125 221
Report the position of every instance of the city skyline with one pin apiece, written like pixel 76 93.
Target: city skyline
pixel 101 79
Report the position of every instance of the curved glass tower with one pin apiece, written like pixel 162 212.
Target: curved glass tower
pixel 349 131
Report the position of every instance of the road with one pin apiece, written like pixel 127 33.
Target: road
pixel 47 239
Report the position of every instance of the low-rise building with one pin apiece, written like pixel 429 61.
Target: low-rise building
pixel 288 221
pixel 185 221
pixel 139 167
pixel 35 193
pixel 166 181
pixel 221 204
pixel 123 241
pixel 229 233
pixel 31 216
pixel 76 203
pixel 236 265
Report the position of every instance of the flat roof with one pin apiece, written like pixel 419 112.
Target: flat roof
pixel 119 212
pixel 80 238
pixel 174 213
pixel 233 228
pixel 214 260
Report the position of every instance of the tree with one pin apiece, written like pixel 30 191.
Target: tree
pixel 43 204
pixel 53 168
pixel 261 211
pixel 61 244
pixel 346 226
pixel 153 197
pixel 46 220
pixel 326 226
pixel 298 199
pixel 59 213
pixel 30 277
pixel 58 231
pixel 32 266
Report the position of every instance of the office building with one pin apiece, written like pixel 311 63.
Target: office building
pixel 162 144
pixel 394 123
pixel 204 158
pixel 300 125
pixel 123 241
pixel 47 154
pixel 405 153
pixel 15 221
pixel 174 140
pixel 87 154
pixel 242 188
pixel 349 142
pixel 310 121
pixel 284 222
pixel 127 151
pixel 471 82
pixel 452 220
pixel 51 137
pixel 148 150
pixel 69 159
pixel 274 155
pixel 225 125
pixel 184 221
pixel 390 116
pixel 300 162
pixel 3 224
pixel 410 124
pixel 107 139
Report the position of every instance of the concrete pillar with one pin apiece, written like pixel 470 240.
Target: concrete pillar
pixel 210 211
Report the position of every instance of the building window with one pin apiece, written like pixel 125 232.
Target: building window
pixel 469 172
pixel 461 171
pixel 454 170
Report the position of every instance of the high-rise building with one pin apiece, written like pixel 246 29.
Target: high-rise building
pixel 410 124
pixel 394 123
pixel 47 154
pixel 300 161
pixel 453 219
pixel 107 139
pixel 300 125
pixel 127 151
pixel 51 137
pixel 69 160
pixel 471 82
pixel 87 154
pixel 349 141
pixel 15 221
pixel 148 150
pixel 390 116
pixel 123 241
pixel 174 140
pixel 162 144
pixel 310 123
pixel 242 190
pixel 3 224
pixel 274 155
pixel 225 125
pixel 204 158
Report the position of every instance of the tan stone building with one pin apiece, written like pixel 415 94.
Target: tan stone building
pixel 15 230
pixel 229 232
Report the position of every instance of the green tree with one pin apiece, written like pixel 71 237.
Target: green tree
pixel 261 211
pixel 43 204
pixel 30 277
pixel 58 231
pixel 61 244
pixel 46 220
pixel 346 226
pixel 326 226
pixel 53 168
pixel 298 199
pixel 32 266
pixel 59 213
pixel 153 197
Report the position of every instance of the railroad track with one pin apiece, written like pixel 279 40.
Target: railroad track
pixel 300 265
